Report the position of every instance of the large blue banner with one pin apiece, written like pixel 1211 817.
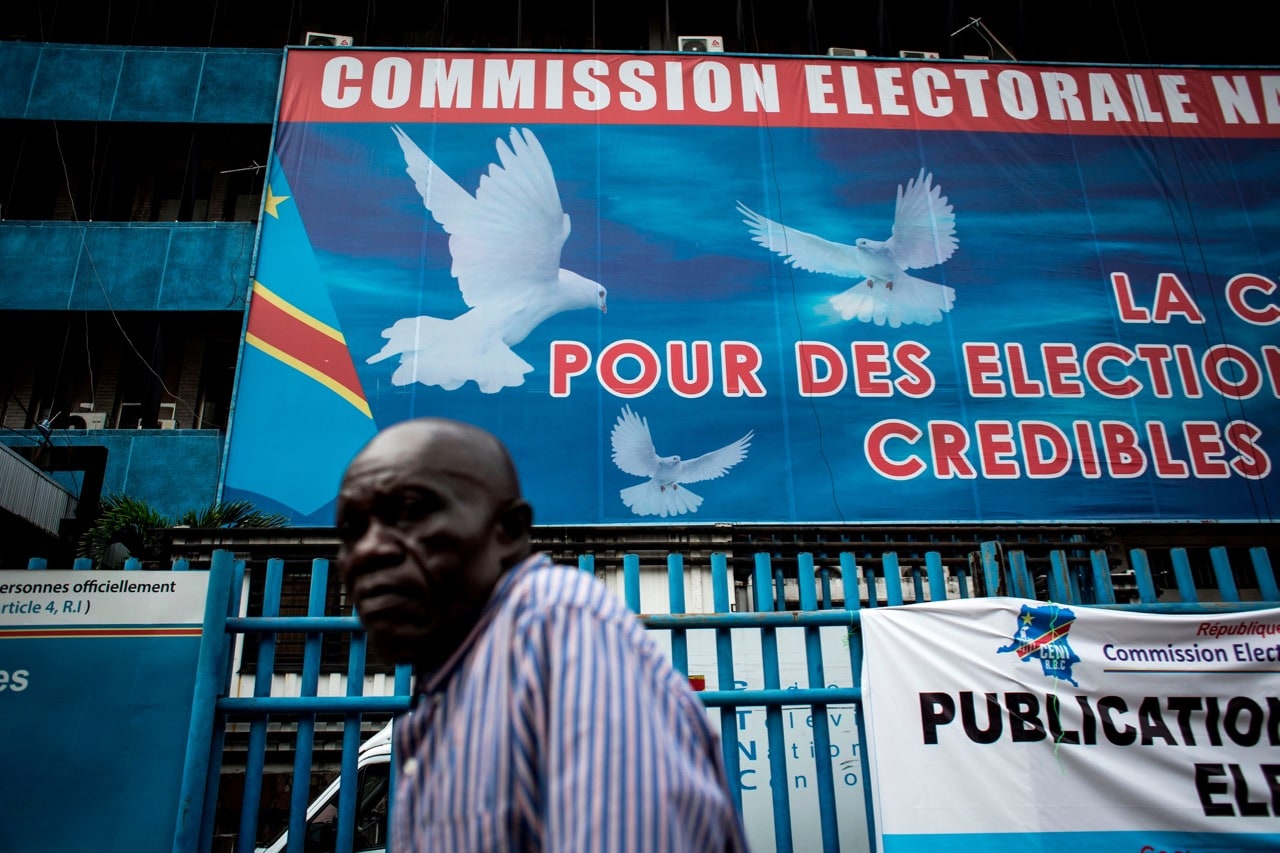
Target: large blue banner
pixel 740 289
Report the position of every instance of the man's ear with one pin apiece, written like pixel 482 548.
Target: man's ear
pixel 515 522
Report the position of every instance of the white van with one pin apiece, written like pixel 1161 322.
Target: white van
pixel 373 771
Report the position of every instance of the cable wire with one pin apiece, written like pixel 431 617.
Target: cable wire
pixel 97 276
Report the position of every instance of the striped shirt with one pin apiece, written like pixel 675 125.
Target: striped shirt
pixel 559 725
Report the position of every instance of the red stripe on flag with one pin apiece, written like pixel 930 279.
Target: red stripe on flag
pixel 293 336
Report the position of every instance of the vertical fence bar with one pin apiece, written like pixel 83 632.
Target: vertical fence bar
pixel 404 679
pixel 849 578
pixel 937 576
pixel 587 563
pixel 403 687
pixel 1266 578
pixel 1059 586
pixel 917 584
pixel 631 581
pixel 37 564
pixel 675 593
pixel 869 573
pixel 255 755
pixel 300 792
pixel 991 567
pixel 773 713
pixel 351 742
pixel 1222 573
pixel 133 564
pixel 1073 582
pixel 892 579
pixel 824 587
pixel 82 564
pixel 1018 574
pixel 724 665
pixel 209 667
pixel 806 580
pixel 1103 591
pixel 849 569
pixel 1182 573
pixel 1142 576
pixel 214 774
pixel 962 579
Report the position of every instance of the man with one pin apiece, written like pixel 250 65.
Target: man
pixel 544 717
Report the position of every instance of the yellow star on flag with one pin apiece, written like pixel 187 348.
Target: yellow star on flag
pixel 273 201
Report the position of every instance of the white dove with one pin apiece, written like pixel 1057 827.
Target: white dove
pixel 924 235
pixel 505 242
pixel 663 495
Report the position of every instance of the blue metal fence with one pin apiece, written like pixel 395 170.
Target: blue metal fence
pixel 1072 578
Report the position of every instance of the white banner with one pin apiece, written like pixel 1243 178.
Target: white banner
pixel 1004 724
pixel 76 604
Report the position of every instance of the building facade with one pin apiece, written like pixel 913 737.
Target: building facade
pixel 135 177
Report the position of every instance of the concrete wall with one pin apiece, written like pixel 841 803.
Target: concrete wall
pixel 146 84
pixel 124 266
pixel 172 469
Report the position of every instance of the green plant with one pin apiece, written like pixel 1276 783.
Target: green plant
pixel 230 514
pixel 133 525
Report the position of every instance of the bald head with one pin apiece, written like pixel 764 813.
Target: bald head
pixel 447 445
pixel 429 516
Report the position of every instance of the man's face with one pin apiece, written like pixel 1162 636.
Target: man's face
pixel 418 517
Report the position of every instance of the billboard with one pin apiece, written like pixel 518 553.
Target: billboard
pixel 762 289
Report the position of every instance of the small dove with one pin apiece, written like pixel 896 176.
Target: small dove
pixel 924 235
pixel 505 243
pixel 663 494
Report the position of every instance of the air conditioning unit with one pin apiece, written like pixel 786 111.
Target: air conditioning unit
pixel 846 51
pixel 87 420
pixel 328 40
pixel 701 44
pixel 919 54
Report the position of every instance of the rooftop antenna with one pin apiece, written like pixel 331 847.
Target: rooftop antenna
pixel 984 31
pixel 256 167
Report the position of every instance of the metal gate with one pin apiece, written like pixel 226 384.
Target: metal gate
pixel 800 597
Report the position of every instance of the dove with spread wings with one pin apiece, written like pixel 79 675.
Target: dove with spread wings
pixel 923 235
pixel 505 243
pixel 663 494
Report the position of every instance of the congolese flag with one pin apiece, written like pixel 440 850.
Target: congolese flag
pixel 300 413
